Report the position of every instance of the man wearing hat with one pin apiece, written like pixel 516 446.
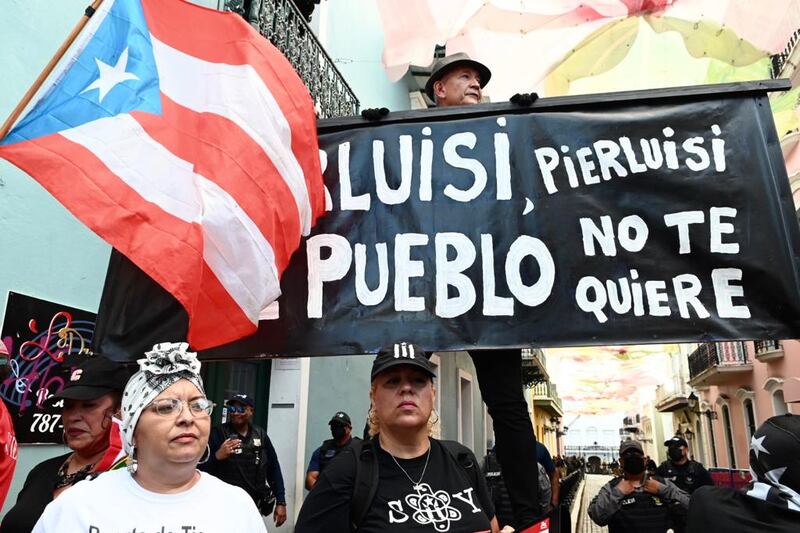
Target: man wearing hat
pixel 242 454
pixel 341 430
pixel 686 473
pixel 457 80
pixel 636 502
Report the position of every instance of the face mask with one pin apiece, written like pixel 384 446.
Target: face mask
pixel 338 432
pixel 634 465
pixel 676 454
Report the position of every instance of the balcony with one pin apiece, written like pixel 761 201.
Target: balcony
pixel 545 396
pixel 631 425
pixel 534 369
pixel 718 363
pixel 768 350
pixel 781 60
pixel 282 23
pixel 669 399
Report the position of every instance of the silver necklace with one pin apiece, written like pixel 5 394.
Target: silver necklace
pixel 414 484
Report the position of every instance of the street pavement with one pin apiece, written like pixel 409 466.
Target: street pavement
pixel 593 484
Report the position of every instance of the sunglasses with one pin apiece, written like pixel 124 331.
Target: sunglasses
pixel 232 408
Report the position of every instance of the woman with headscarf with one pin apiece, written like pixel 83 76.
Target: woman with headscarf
pixel 401 480
pixel 772 501
pixel 166 421
pixel 91 399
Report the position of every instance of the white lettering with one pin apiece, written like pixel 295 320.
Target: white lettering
pixel 449 273
pixel 321 270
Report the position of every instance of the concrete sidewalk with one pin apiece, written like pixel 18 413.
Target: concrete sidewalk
pixel 592 487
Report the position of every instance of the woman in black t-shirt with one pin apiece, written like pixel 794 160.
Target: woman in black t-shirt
pixel 422 486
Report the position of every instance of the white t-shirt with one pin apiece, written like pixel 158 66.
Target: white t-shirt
pixel 115 503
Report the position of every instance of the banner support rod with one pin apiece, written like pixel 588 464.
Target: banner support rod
pixel 48 69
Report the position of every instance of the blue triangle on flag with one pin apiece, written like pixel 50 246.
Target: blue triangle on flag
pixel 114 73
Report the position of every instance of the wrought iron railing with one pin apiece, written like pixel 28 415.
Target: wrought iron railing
pixel 532 360
pixel 767 346
pixel 282 23
pixel 546 390
pixel 779 60
pixel 713 354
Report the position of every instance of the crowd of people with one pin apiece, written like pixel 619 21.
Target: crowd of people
pixel 144 455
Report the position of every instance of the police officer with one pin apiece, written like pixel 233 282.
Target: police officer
pixel 341 430
pixel 636 502
pixel 686 473
pixel 243 455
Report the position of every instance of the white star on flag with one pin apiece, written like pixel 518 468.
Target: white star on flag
pixel 111 76
pixel 757 446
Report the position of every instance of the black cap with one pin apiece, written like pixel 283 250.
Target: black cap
pixel 340 418
pixel 443 65
pixel 93 378
pixel 402 353
pixel 243 399
pixel 629 446
pixel 676 441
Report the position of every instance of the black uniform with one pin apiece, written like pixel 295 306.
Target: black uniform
pixel 688 476
pixel 329 450
pixel 638 512
pixel 255 468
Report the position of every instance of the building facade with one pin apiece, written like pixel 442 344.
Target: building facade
pixel 740 385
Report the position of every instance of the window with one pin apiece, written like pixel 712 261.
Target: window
pixel 465 418
pixel 728 427
pixel 713 442
pixel 700 444
pixel 778 403
pixel 749 418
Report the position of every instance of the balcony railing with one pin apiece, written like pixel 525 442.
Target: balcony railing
pixel 717 355
pixel 779 60
pixel 282 23
pixel 548 392
pixel 767 346
pixel 534 368
pixel 768 350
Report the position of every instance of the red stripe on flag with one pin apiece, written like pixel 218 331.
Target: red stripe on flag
pixel 220 37
pixel 168 249
pixel 222 152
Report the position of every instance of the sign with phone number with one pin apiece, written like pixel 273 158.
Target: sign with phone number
pixel 44 341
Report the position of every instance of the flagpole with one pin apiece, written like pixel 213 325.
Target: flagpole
pixel 26 99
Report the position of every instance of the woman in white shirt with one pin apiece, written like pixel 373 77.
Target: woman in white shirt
pixel 166 422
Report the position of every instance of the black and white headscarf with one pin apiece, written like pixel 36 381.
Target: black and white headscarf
pixel 162 366
pixel 775 462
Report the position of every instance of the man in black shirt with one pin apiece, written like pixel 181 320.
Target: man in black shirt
pixel 243 455
pixel 686 473
pixel 341 430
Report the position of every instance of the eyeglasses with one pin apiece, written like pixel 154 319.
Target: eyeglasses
pixel 173 406
pixel 232 408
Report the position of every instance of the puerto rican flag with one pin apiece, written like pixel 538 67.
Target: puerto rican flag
pixel 186 140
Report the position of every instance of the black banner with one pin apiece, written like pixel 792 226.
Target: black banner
pixel 644 217
pixel 44 341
